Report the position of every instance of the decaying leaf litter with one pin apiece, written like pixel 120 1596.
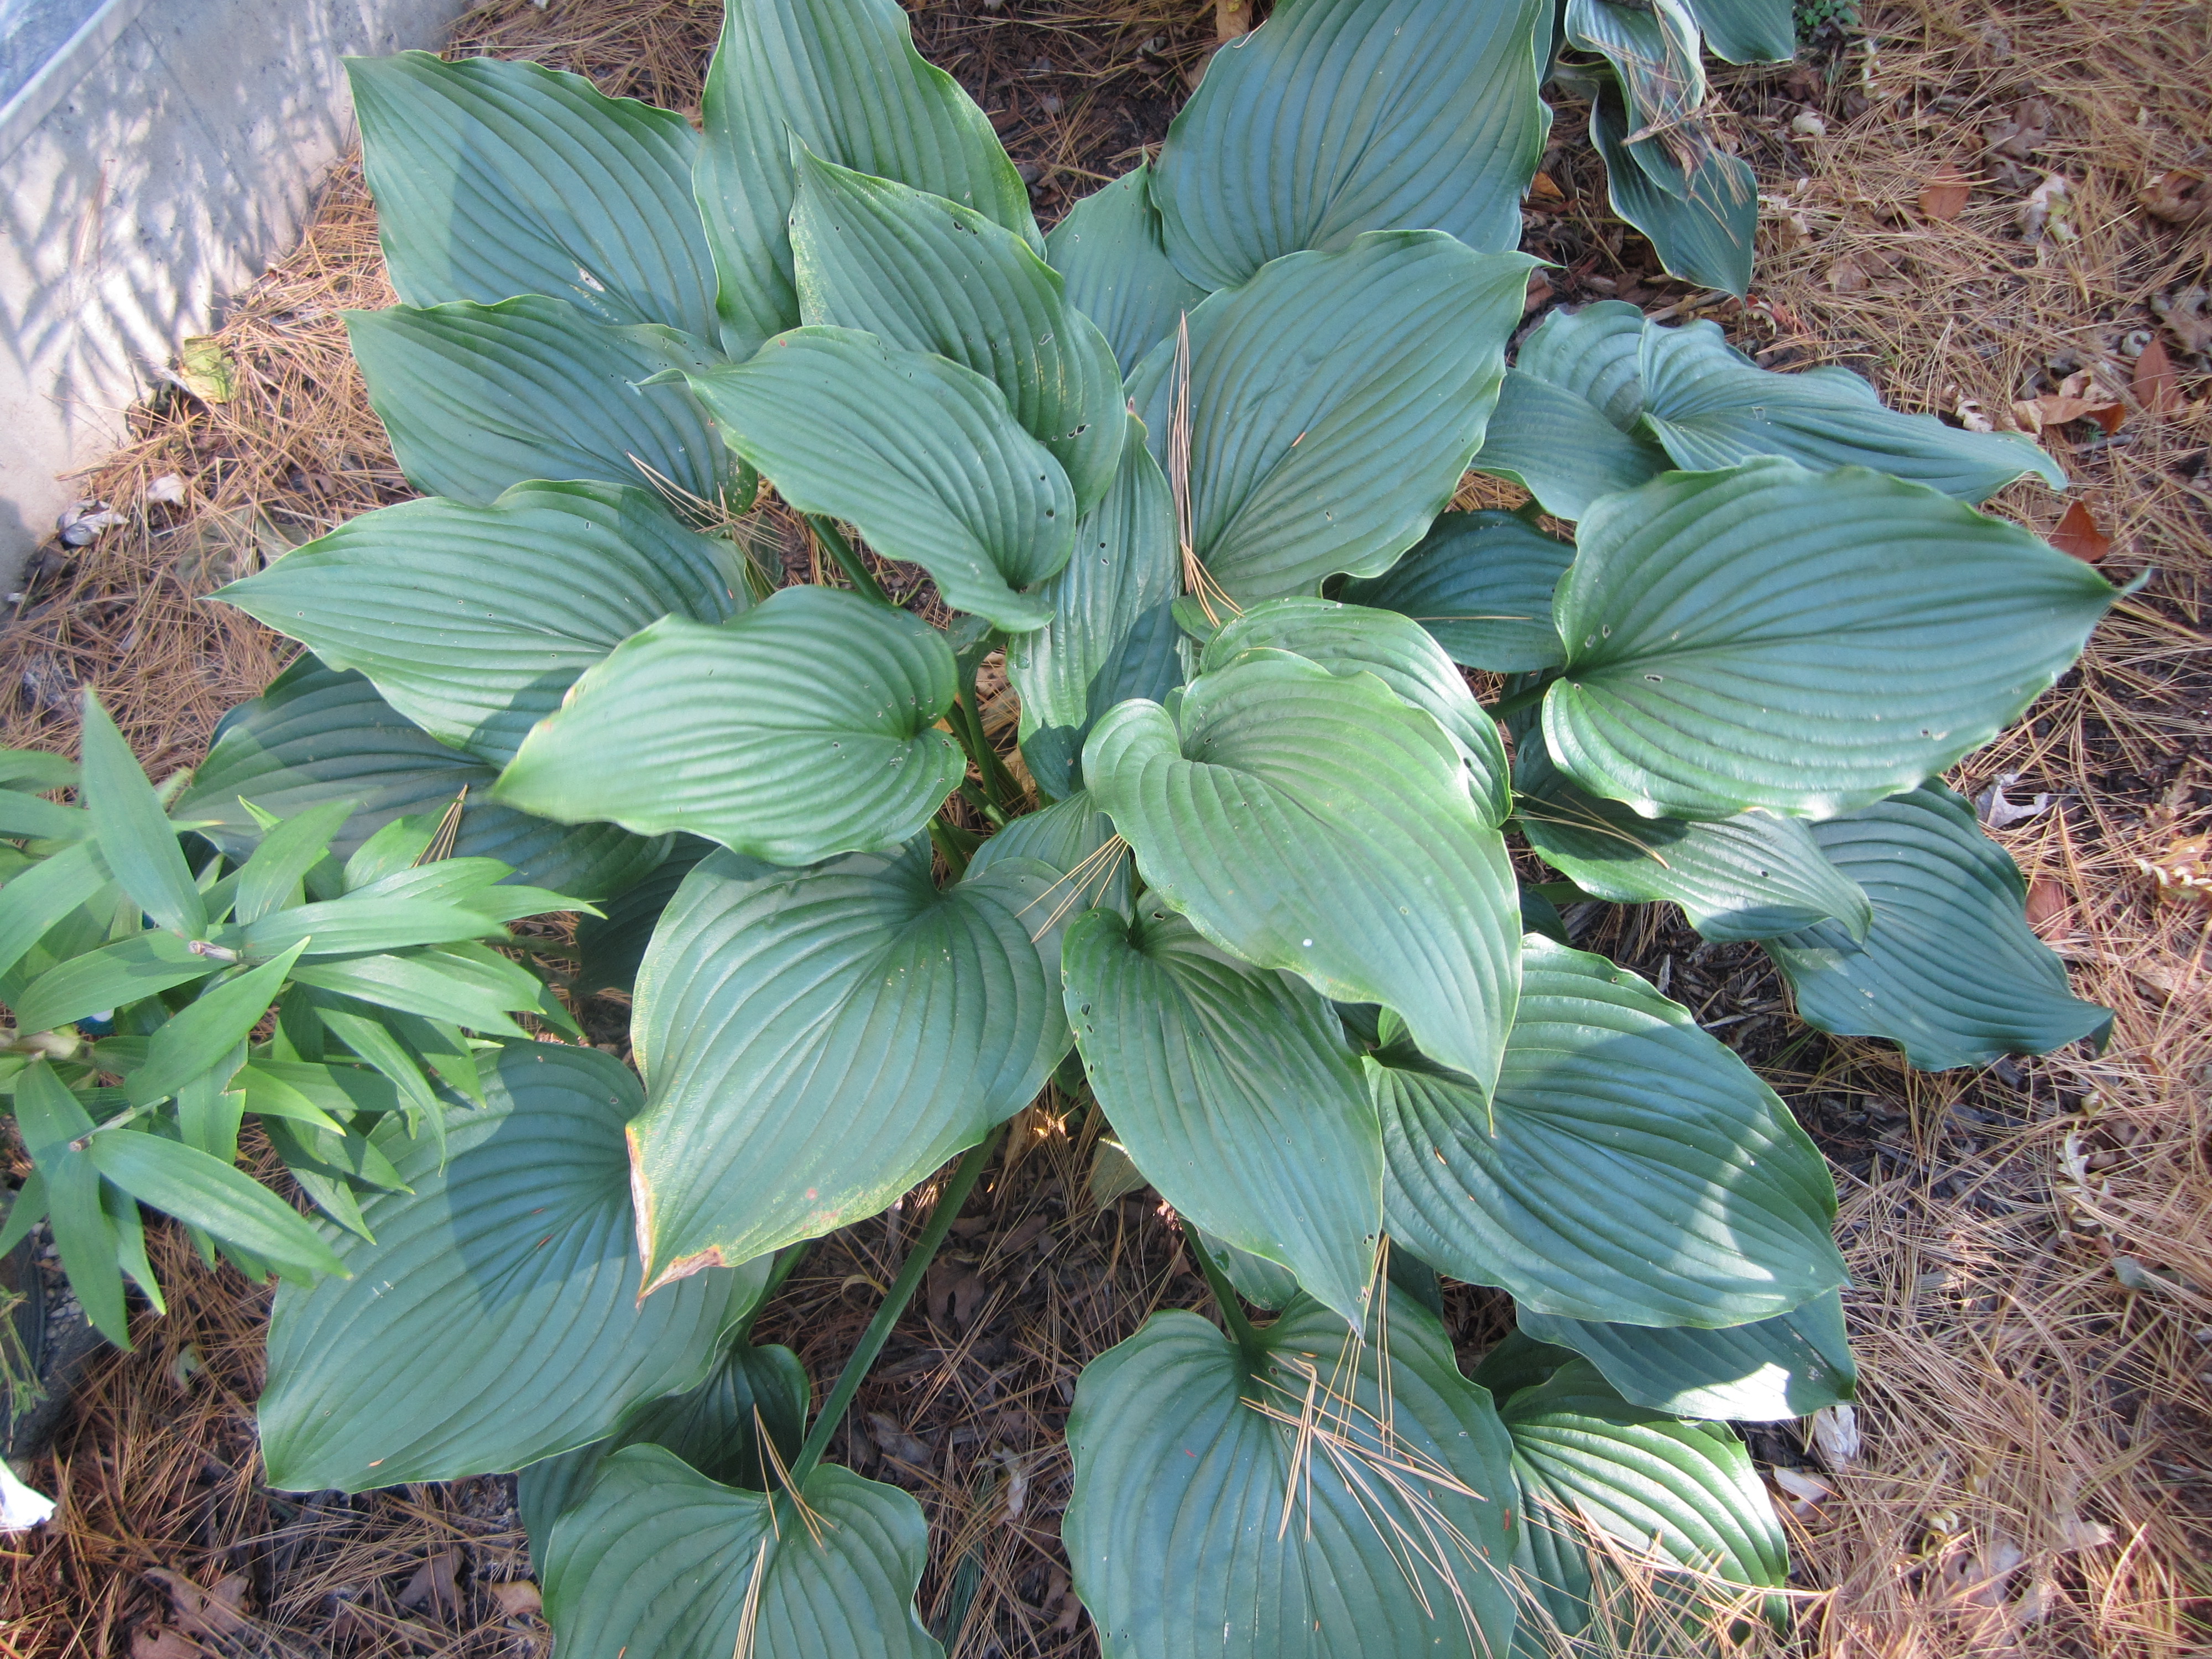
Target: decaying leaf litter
pixel 1998 216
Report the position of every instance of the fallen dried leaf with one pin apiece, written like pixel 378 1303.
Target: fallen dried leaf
pixel 1836 1436
pixel 1847 276
pixel 2183 871
pixel 2185 317
pixel 2077 534
pixel 2181 197
pixel 2047 212
pixel 517 1598
pixel 2048 905
pixel 2020 132
pixel 1539 295
pixel 161 1641
pixel 2076 1534
pixel 1973 416
pixel 433 1589
pixel 1944 197
pixel 1545 188
pixel 2156 386
pixel 1805 1490
pixel 218 1612
pixel 1994 810
pixel 898 1442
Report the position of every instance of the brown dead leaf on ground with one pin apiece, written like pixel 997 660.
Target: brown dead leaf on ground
pixel 2048 904
pixel 2079 397
pixel 2180 195
pixel 164 1642
pixel 1944 197
pixel 2156 386
pixel 2077 534
pixel 2183 871
pixel 516 1598
pixel 435 1589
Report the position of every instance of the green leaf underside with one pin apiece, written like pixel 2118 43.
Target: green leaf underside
pixel 1558 448
pixel 816 1042
pixel 1684 1493
pixel 1233 1090
pixel 512 1260
pixel 1711 408
pixel 320 734
pixel 929 275
pixel 1337 116
pixel 1481 584
pixel 1804 642
pixel 1393 1546
pixel 658 1559
pixel 1753 876
pixel 1354 639
pixel 1637 1170
pixel 842 78
pixel 479 398
pixel 1950 970
pixel 802 729
pixel 495 179
pixel 1701 221
pixel 611 947
pixel 1109 251
pixel 918 453
pixel 1125 566
pixel 1748 31
pixel 1334 453
pixel 1317 823
pixel 473 621
pixel 1791 1365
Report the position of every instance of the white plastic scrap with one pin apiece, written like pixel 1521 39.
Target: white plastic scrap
pixel 21 1509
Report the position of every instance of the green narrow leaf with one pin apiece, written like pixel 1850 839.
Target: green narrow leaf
pixel 339 1091
pixel 479 398
pixel 1950 970
pixel 816 1042
pixel 1110 250
pixel 130 1228
pixel 1337 456
pixel 366 1031
pixel 1203 1520
pixel 800 730
pixel 320 734
pixel 1233 1090
pixel 1804 642
pixel 1354 639
pixel 1628 1167
pixel 1124 567
pixel 1791 1365
pixel 38 899
pixel 137 841
pixel 111 977
pixel 659 1559
pixel 28 818
pixel 1748 31
pixel 348 925
pixel 27 1208
pixel 436 984
pixel 1481 584
pixel 494 179
pixel 473 621
pixel 1336 117
pixel 842 78
pixel 51 1121
pixel 1753 876
pixel 512 1258
pixel 929 275
pixel 1711 408
pixel 218 1020
pixel 187 1183
pixel 920 454
pixel 1699 216
pixel 1316 824
pixel 273 874
pixel 36 770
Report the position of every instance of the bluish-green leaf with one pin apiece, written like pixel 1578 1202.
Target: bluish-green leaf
pixel 494 179
pixel 1335 457
pixel 609 947
pixel 197 1037
pixel 1110 249
pixel 918 453
pixel 842 78
pixel 1233 1090
pixel 1481 584
pixel 1950 970
pixel 1558 448
pixel 1748 31
pixel 1699 210
pixel 803 729
pixel 1791 1365
pixel 1336 117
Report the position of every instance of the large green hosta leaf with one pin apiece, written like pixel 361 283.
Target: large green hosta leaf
pixel 1110 250
pixel 1556 445
pixel 1314 823
pixel 495 179
pixel 474 621
pixel 1354 639
pixel 1805 642
pixel 1752 876
pixel 1683 1494
pixel 1628 1167
pixel 479 398
pixel 1788 1366
pixel 1233 1090
pixel 930 275
pixel 1594 351
pixel 1711 408
pixel 1950 970
pixel 1125 568
pixel 1148 663
pixel 815 1042
pixel 1071 836
pixel 919 452
pixel 840 78
pixel 1748 31
pixel 1700 208
pixel 1336 117
pixel 513 1257
pixel 1205 1522
pixel 1653 49
pixel 805 728
pixel 1481 584
pixel 1334 454
pixel 320 734
pixel 659 1561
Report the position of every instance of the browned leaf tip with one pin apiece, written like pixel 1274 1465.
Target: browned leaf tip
pixel 2078 534
pixel 1944 197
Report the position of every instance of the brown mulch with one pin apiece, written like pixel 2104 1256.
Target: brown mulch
pixel 2031 1244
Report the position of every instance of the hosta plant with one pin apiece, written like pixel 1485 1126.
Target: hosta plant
pixel 1252 888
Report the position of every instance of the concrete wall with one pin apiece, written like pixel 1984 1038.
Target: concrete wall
pixel 155 159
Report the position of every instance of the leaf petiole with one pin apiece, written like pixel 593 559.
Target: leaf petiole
pixel 854 567
pixel 1224 1296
